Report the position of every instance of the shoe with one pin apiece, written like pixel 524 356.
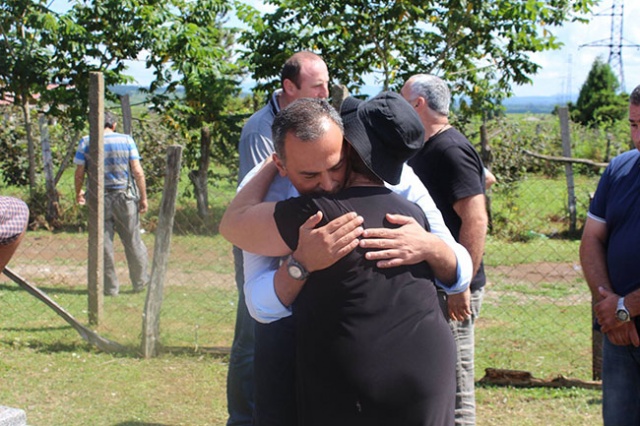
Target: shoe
pixel 139 289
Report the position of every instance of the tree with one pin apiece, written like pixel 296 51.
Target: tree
pixel 482 46
pixel 51 54
pixel 24 61
pixel 598 102
pixel 195 52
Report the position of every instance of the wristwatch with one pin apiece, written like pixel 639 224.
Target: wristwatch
pixel 622 313
pixel 296 270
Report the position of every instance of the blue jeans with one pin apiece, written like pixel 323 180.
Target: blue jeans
pixel 620 384
pixel 240 380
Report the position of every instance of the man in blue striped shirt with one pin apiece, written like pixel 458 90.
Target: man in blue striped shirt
pixel 124 199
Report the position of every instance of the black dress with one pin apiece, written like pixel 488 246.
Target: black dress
pixel 373 347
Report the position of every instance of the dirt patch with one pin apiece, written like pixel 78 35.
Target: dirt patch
pixel 536 272
pixel 61 260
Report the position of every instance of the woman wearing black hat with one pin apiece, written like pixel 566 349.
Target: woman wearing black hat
pixel 373 347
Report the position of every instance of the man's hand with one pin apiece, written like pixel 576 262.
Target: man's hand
pixel 625 334
pixel 605 310
pixel 143 206
pixel 80 198
pixel 322 247
pixel 459 305
pixel 400 246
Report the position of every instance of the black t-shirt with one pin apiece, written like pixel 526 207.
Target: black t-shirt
pixel 368 337
pixel 451 169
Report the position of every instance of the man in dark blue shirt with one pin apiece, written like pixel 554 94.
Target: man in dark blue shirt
pixel 609 258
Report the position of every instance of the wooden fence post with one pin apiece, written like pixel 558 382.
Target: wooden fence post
pixel 563 112
pixel 487 158
pixel 127 127
pixel 95 200
pixel 47 161
pixel 151 316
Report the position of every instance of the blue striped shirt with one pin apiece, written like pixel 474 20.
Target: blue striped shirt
pixel 119 150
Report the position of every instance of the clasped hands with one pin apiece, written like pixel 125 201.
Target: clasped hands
pixel 619 333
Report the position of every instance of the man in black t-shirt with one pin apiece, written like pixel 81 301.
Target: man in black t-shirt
pixel 453 172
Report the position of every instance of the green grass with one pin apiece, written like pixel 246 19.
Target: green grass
pixel 498 252
pixel 537 207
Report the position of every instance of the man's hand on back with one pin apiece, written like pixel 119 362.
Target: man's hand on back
pixel 319 248
pixel 399 246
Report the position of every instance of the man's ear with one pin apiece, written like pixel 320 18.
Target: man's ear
pixel 280 165
pixel 288 86
pixel 419 102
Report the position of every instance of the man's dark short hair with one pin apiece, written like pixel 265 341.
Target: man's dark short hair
pixel 291 68
pixel 306 119
pixel 634 98
pixel 109 119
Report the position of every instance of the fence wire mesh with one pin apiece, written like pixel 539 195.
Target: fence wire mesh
pixel 535 316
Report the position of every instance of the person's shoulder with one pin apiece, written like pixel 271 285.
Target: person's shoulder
pixel 117 135
pixel 455 138
pixel 625 159
pixel 631 155
pixel 264 115
pixel 258 126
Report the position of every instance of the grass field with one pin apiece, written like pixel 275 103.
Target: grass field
pixel 535 318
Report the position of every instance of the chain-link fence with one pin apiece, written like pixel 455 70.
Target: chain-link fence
pixel 536 313
pixel 535 316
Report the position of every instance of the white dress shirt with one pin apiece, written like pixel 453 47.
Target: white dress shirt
pixel 259 271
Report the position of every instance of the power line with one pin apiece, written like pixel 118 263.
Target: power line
pixel 616 41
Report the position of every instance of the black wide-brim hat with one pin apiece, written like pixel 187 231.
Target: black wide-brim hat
pixel 385 131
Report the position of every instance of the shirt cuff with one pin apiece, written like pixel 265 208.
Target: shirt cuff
pixel 262 301
pixel 464 271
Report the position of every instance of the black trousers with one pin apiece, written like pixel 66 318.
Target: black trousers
pixel 274 369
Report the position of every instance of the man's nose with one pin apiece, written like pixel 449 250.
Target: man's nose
pixel 326 183
pixel 324 92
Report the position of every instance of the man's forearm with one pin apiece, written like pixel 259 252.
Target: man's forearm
pixel 259 291
pixel 286 288
pixel 443 261
pixel 472 237
pixel 79 180
pixel 632 303
pixel 594 266
pixel 249 223
pixel 464 270
pixel 473 229
pixel 142 186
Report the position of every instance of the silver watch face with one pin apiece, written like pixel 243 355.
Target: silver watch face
pixel 622 315
pixel 295 272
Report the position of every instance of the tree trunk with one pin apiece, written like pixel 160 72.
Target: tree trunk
pixel 52 212
pixel 71 150
pixel 199 177
pixel 24 104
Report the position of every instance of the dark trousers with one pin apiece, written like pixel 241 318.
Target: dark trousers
pixel 274 367
pixel 240 380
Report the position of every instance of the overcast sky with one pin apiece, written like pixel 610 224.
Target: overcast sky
pixel 563 71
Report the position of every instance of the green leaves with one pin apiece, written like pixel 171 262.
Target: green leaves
pixel 481 46
pixel 598 102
